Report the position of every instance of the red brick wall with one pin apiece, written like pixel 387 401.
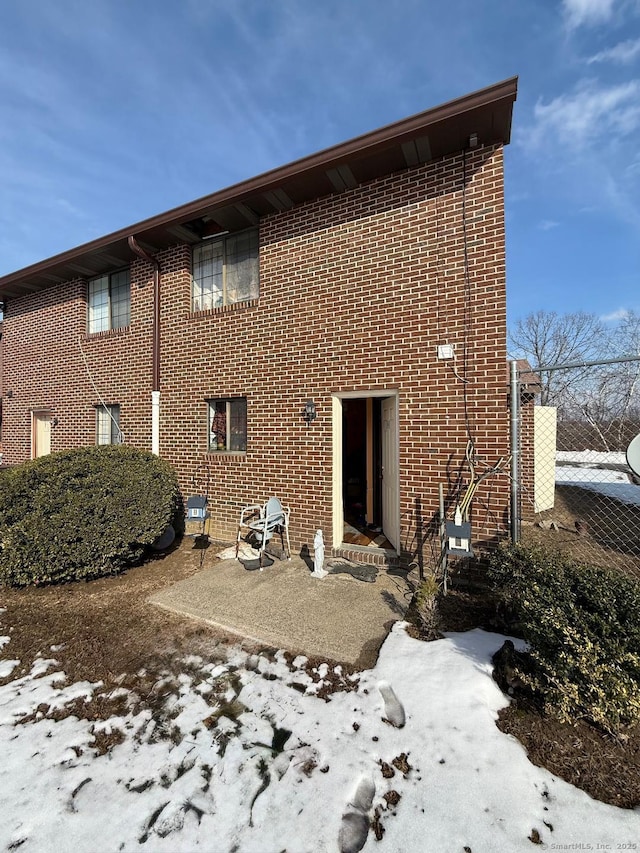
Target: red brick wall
pixel 53 364
pixel 356 292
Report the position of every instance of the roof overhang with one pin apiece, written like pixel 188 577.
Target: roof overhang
pixel 446 129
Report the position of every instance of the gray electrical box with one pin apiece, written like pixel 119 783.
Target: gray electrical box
pixel 459 539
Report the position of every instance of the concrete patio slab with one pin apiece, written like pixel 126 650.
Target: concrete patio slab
pixel 338 617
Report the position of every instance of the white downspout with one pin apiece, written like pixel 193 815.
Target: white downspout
pixel 155 422
pixel 155 393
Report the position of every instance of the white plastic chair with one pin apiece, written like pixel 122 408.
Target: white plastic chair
pixel 263 522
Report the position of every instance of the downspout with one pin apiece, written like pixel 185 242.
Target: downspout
pixel 155 392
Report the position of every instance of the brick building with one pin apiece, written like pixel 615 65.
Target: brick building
pixel 364 285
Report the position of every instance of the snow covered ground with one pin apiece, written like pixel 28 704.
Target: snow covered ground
pixel 613 484
pixel 242 755
pixel 592 457
pixel 586 472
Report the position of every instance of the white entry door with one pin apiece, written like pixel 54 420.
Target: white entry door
pixel 41 432
pixel 390 488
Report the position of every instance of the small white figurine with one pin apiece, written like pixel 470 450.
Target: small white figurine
pixel 318 556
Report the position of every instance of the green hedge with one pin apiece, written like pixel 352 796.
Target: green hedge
pixel 583 627
pixel 82 513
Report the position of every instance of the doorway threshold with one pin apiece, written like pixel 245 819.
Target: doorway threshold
pixel 359 533
pixel 364 554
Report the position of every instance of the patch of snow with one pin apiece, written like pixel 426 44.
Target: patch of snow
pixel 7 667
pixel 592 456
pixel 577 476
pixel 613 484
pixel 354 826
pixel 322 670
pixel 215 670
pixel 117 693
pixel 393 710
pixel 4 641
pixel 41 665
pixel 286 768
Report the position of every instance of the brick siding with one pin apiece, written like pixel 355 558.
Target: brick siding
pixel 356 291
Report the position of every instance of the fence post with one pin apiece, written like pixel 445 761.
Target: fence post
pixel 515 451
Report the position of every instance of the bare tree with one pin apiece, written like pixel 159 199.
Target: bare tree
pixel 625 340
pixel 548 338
pixel 604 397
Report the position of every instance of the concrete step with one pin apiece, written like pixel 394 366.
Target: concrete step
pixel 367 555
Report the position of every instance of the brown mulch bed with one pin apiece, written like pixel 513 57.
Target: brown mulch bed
pixel 606 769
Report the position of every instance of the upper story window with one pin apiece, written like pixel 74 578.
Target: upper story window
pixel 225 271
pixel 109 302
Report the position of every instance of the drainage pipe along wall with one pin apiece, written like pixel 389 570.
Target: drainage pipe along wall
pixel 155 391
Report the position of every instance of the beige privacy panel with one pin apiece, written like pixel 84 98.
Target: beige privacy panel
pixel 544 458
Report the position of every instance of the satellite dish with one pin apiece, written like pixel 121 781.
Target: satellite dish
pixel 633 455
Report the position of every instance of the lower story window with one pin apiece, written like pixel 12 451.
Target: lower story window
pixel 228 424
pixel 108 425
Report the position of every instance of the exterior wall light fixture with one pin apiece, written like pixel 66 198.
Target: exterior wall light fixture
pixel 309 413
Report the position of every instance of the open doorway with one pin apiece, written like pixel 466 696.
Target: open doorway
pixel 366 509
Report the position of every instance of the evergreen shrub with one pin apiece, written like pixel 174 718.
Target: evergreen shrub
pixel 83 513
pixel 582 624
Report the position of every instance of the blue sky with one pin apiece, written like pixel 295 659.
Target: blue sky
pixel 114 110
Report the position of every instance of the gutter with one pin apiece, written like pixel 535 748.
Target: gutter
pixel 155 391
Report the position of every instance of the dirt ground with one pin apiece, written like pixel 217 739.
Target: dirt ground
pixel 591 527
pixel 105 630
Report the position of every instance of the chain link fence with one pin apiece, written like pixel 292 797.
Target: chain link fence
pixel 574 490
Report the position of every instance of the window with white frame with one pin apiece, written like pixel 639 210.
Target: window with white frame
pixel 109 301
pixel 225 271
pixel 108 425
pixel 228 424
